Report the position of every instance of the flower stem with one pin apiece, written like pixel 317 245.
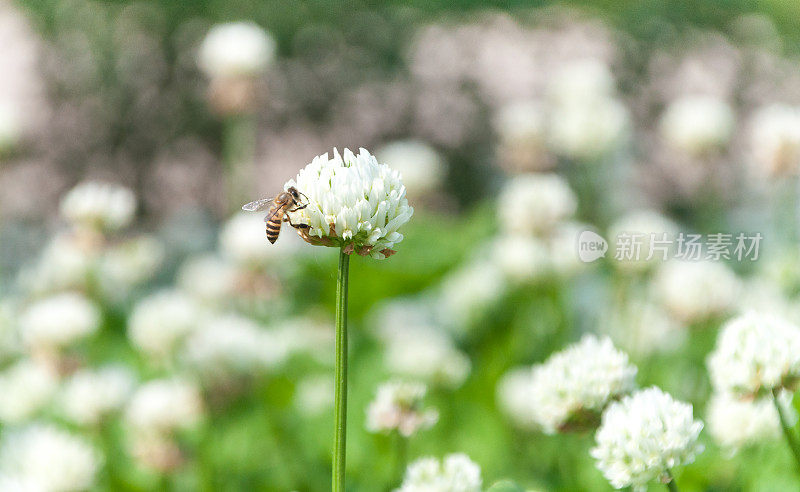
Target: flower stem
pixel 340 394
pixel 787 431
pixel 401 444
pixel 671 485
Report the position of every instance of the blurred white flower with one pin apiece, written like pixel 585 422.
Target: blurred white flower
pixel 426 353
pixel 314 395
pixel 520 127
pixel 736 423
pixel 309 335
pixel 58 321
pixel 243 241
pixel 642 328
pixel 562 243
pixel 755 354
pixel 572 387
pixel 514 397
pixel 586 130
pixel 535 203
pixel 634 232
pixel 89 395
pixel 695 291
pixel 158 322
pixel 421 168
pixel 644 436
pixel 25 388
pixel 236 49
pixel 469 293
pixel 129 264
pixel 353 201
pixel 163 406
pixel 230 343
pixel 49 459
pixel 522 259
pixel 10 343
pixel 581 81
pixel 697 124
pixel 11 129
pixel 398 407
pixel 456 473
pixel 98 205
pixel 65 263
pixel 775 139
pixel 208 278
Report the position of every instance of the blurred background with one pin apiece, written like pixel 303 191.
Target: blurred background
pixel 151 338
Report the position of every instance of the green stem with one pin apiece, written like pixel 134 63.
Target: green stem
pixel 340 395
pixel 671 485
pixel 401 444
pixel 787 431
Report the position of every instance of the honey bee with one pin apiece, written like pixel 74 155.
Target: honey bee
pixel 279 207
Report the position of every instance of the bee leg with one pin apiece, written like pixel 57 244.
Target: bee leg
pixel 296 226
pixel 299 207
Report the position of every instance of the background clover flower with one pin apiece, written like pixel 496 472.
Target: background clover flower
pixel 755 354
pixel 353 202
pixel 643 436
pixel 455 473
pixel 735 423
pixel 99 205
pixel 397 407
pixel 572 387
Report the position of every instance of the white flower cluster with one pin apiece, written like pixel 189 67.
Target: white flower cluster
pixel 642 224
pixel 158 322
pixel 130 263
pixel 90 395
pixel 58 321
pixel 420 166
pixel 695 291
pixel 164 406
pixel 242 242
pixel 353 202
pixel 535 203
pixel 644 436
pixel 515 399
pixel 314 395
pixel 100 206
pixel 735 423
pixel 755 354
pixel 428 354
pixel 697 124
pixel 469 292
pixel 47 459
pixel 573 386
pixel 25 388
pixel 775 139
pixel 521 129
pixel 397 407
pixel 236 49
pixel 455 473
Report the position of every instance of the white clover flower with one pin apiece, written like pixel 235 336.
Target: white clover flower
pixel 581 80
pixel 49 459
pixel 11 128
pixel 59 320
pixel 236 49
pixel 427 354
pixel 163 406
pixel 521 129
pixel 315 395
pixel 514 397
pixel 694 291
pixel 90 395
pixel 643 436
pixel 572 387
pixel 307 335
pixel 469 293
pixel 775 139
pixel 755 354
pixel 64 264
pixel 697 124
pixel 522 259
pixel 354 202
pixel 561 245
pixel 227 344
pixel 633 234
pixel 242 241
pixel 130 263
pixel 158 322
pixel 100 206
pixel 535 203
pixel 643 328
pixel 420 166
pixel 736 423
pixel 397 407
pixel 590 129
pixel 208 279
pixel 25 388
pixel 456 473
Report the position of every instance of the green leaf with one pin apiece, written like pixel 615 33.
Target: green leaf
pixel 505 486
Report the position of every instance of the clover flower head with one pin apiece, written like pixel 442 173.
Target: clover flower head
pixel 571 388
pixel 353 202
pixel 48 459
pixel 158 322
pixel 735 423
pixel 520 126
pixel 59 320
pixel 102 206
pixel 755 354
pixel 428 354
pixel 163 406
pixel 515 399
pixel 775 139
pixel 643 436
pixel 236 49
pixel 25 388
pixel 696 290
pixel 455 473
pixel 88 396
pixel 697 124
pixel 421 167
pixel 535 203
pixel 397 407
pixel 521 258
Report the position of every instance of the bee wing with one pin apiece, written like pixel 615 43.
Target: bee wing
pixel 274 209
pixel 257 205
